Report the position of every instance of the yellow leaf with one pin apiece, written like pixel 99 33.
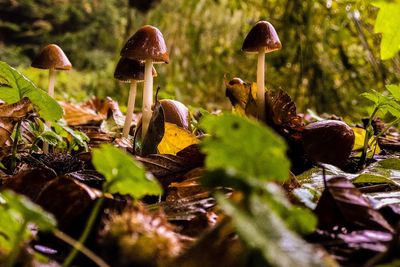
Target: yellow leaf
pixel 175 139
pixel 359 134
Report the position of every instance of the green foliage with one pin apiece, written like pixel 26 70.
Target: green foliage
pixel 123 174
pixel 245 147
pixel 388 23
pixel 14 86
pixel 263 230
pixel 26 210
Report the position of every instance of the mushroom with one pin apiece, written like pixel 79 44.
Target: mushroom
pixel 261 39
pixel 52 58
pixel 147 45
pixel 132 71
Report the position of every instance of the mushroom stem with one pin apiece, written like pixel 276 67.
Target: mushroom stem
pixel 147 96
pixel 131 107
pixel 52 81
pixel 260 85
pixel 50 91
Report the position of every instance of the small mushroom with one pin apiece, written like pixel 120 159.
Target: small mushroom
pixel 175 112
pixel 131 71
pixel 261 39
pixel 52 58
pixel 147 45
pixel 328 141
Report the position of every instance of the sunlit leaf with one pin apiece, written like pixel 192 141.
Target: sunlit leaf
pixel 15 86
pixel 175 139
pixel 245 147
pixel 388 23
pixel 123 174
pixel 359 134
pixel 394 90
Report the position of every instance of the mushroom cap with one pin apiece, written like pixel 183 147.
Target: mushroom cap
pixel 147 43
pixel 130 69
pixel 52 57
pixel 262 35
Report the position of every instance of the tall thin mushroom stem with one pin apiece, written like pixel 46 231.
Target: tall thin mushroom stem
pixel 50 91
pixel 147 96
pixel 260 85
pixel 131 107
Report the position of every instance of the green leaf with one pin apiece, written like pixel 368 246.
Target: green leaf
pixel 14 86
pixel 373 96
pixel 9 227
pixel 394 90
pixel 245 147
pixel 123 174
pixel 261 229
pixel 388 23
pixel 29 211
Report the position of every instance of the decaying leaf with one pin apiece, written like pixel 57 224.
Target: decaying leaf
pixel 241 96
pixel 94 111
pixel 155 132
pixel 169 168
pixel 175 139
pixel 281 113
pixel 343 205
pixel 10 114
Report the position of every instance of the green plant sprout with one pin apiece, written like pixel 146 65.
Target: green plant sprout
pixel 13 87
pixel 124 176
pixel 383 103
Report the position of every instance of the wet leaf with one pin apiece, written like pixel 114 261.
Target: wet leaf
pixel 9 115
pixel 175 139
pixel 17 86
pixel 245 147
pixel 343 205
pixel 383 171
pixel 123 174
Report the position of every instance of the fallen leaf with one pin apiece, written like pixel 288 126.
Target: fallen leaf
pixel 155 132
pixel 170 168
pixel 175 139
pixel 359 134
pixel 10 114
pixel 343 205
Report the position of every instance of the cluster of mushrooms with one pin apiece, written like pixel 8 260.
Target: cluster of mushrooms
pixel 147 47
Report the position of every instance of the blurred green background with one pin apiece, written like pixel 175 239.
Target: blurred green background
pixel 330 53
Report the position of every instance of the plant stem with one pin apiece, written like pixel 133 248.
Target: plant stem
pixel 131 107
pixel 368 132
pixel 260 85
pixel 147 96
pixel 50 91
pixel 88 227
pixel 84 250
pixel 15 147
pixel 16 246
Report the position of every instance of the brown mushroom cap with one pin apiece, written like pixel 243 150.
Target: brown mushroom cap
pixel 147 43
pixel 130 69
pixel 52 57
pixel 262 35
pixel 175 112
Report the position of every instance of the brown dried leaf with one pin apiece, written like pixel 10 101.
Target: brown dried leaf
pixel 281 113
pixel 9 115
pixel 169 168
pixel 92 112
pixel 343 205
